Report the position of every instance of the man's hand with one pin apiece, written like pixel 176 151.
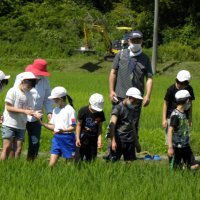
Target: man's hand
pixel 78 142
pixel 164 123
pixel 170 151
pixel 112 95
pixel 146 101
pixel 114 145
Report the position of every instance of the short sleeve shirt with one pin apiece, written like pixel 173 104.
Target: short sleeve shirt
pixel 63 118
pixel 18 99
pixel 90 120
pixel 125 122
pixel 131 71
pixel 170 97
pixel 180 124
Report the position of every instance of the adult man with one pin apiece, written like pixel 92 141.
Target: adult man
pixel 130 67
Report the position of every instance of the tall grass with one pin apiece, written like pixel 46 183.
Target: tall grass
pixel 98 180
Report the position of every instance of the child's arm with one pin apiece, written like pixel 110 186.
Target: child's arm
pixel 11 108
pixel 100 136
pixel 78 133
pixel 190 115
pixel 69 129
pixel 164 116
pixel 48 126
pixel 170 145
pixel 112 131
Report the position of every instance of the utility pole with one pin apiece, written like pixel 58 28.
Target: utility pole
pixel 155 37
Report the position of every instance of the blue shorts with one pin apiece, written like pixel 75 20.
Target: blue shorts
pixel 9 133
pixel 64 144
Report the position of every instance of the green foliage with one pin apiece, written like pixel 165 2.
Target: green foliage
pixel 53 29
pixel 187 35
pixel 177 51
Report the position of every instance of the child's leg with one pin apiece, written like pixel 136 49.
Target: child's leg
pixel 12 150
pixel 6 149
pixel 175 160
pixel 93 148
pixel 18 141
pixel 129 151
pixel 53 160
pixel 18 148
pixel 7 136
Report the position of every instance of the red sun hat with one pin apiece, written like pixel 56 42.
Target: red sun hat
pixel 38 68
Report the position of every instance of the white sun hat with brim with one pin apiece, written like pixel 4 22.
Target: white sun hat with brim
pixel 182 95
pixel 58 92
pixel 96 102
pixel 134 92
pixel 3 76
pixel 183 75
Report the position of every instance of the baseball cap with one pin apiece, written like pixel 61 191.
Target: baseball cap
pixel 3 76
pixel 134 92
pixel 182 95
pixel 183 75
pixel 26 75
pixel 135 34
pixel 58 92
pixel 96 101
pixel 39 67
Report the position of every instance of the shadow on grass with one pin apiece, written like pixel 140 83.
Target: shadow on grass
pixel 91 67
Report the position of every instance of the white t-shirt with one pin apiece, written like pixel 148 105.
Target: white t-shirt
pixel 40 94
pixel 62 118
pixel 18 99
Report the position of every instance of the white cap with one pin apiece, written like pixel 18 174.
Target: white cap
pixel 97 102
pixel 26 75
pixel 3 76
pixel 58 92
pixel 183 75
pixel 134 92
pixel 182 95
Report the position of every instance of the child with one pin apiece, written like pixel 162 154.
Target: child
pixel 89 128
pixel 17 106
pixel 122 127
pixel 3 82
pixel 62 124
pixel 182 82
pixel 179 133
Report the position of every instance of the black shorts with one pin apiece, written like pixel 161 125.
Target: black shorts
pixel 181 156
pixel 127 149
pixel 88 148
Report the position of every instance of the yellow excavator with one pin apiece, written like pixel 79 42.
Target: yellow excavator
pixel 112 47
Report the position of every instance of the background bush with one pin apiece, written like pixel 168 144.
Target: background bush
pixel 45 28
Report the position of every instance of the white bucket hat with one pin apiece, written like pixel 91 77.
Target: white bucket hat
pixel 134 92
pixel 97 102
pixel 58 92
pixel 182 95
pixel 183 75
pixel 3 76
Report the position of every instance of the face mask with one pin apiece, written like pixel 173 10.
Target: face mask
pixel 187 106
pixel 130 105
pixel 135 47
